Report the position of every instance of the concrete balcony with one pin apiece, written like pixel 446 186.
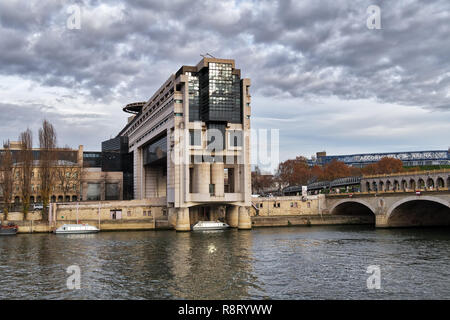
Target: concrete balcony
pixel 206 197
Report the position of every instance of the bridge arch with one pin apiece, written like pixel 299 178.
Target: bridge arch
pixel 421 184
pixel 396 185
pixel 412 184
pixel 404 185
pixel 388 185
pixel 419 211
pixel 440 182
pixel 356 208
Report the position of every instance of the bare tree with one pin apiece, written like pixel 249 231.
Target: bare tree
pixel 47 163
pixel 24 169
pixel 68 174
pixel 7 178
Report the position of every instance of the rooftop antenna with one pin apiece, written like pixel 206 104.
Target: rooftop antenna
pixel 207 54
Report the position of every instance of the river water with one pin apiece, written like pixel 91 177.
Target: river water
pixel 276 263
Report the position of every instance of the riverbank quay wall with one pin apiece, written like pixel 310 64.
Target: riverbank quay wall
pixel 387 209
pixel 145 214
pixel 298 211
pixel 153 214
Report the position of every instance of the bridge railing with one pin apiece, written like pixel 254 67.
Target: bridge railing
pixel 406 173
pixel 439 189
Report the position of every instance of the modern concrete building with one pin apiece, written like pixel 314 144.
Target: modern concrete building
pixel 191 145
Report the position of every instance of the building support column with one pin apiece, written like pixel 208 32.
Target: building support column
pixel 183 222
pixel 233 216
pixel 202 178
pixel 244 221
pixel 217 178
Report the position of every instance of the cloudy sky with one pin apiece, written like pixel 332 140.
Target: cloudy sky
pixel 319 74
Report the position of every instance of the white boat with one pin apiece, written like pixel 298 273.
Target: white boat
pixel 76 228
pixel 210 225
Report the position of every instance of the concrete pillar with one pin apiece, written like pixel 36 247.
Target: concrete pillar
pixel 233 216
pixel 201 178
pixel 213 213
pixel 84 187
pixel 244 221
pixel 103 190
pixel 183 222
pixel 381 221
pixel 217 178
pixel 172 217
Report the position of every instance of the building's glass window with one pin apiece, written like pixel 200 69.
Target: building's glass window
pixel 155 151
pixel 216 136
pixel 194 96
pixel 93 192
pixel 195 137
pixel 112 191
pixel 235 138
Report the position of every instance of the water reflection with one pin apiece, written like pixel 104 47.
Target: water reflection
pixel 277 263
pixel 211 265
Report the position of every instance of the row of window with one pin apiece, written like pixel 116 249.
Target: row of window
pixel 149 112
pixel 37 174
pixel 53 198
pixel 278 205
pixel 235 138
pixel 36 188
pixel 116 214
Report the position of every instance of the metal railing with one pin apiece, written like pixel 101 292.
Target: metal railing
pixel 406 173
pixel 439 189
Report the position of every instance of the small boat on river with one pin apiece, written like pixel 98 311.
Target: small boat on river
pixel 8 230
pixel 76 228
pixel 210 225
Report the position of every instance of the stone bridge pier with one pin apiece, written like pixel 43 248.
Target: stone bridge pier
pixel 182 219
pixel 400 209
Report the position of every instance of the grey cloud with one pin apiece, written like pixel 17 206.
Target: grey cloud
pixel 291 49
pixel 72 128
pixel 318 48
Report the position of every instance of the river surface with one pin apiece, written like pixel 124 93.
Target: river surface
pixel 266 263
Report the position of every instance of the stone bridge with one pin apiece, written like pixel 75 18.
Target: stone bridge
pixel 393 209
pixel 412 181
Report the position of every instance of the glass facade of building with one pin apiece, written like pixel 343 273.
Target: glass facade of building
pixel 194 97
pixel 112 191
pixel 93 191
pixel 156 151
pixel 215 94
pixel 92 159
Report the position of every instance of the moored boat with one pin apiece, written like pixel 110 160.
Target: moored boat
pixel 210 225
pixel 76 228
pixel 10 229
